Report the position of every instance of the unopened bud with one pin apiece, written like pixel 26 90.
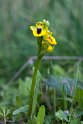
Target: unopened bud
pixel 46 22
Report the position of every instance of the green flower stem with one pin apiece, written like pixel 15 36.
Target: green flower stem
pixel 33 88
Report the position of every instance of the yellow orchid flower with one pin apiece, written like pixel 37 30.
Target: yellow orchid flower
pixel 51 40
pixel 39 30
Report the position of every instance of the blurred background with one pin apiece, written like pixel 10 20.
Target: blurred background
pixel 17 43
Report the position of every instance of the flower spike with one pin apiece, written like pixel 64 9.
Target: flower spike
pixel 41 29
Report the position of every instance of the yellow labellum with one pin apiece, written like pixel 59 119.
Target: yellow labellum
pixel 38 31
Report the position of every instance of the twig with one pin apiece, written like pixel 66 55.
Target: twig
pixel 31 61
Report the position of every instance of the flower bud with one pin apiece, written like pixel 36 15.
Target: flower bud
pixel 46 22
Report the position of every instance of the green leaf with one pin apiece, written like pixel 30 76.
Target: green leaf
pixel 4 111
pixel 20 110
pixel 39 77
pixel 62 115
pixel 25 86
pixel 8 111
pixel 1 114
pixel 33 120
pixel 78 96
pixel 60 82
pixel 59 114
pixel 41 114
pixel 18 101
pixel 58 70
pixel 81 122
pixel 75 121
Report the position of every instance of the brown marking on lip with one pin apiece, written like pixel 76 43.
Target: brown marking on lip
pixel 50 39
pixel 38 30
